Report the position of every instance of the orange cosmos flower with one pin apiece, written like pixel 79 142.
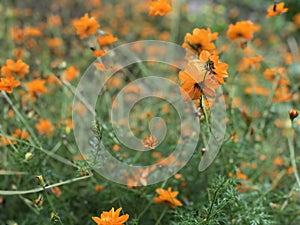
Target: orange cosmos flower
pixel 202 76
pixel 18 68
pixel 54 42
pixel 276 9
pixel 201 39
pixel 7 84
pixel 247 63
pixel 36 87
pixel 45 127
pixel 106 39
pixel 167 197
pixel 150 141
pixel 70 73
pixel 20 134
pixel 32 31
pixel 159 8
pixel 99 52
pixel 297 19
pixel 213 66
pixel 242 29
pixel 111 218
pixel 85 26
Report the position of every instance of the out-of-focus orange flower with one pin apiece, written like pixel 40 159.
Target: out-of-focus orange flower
pixel 247 63
pixel 167 197
pixel 6 141
pixel 8 83
pixel 278 161
pixel 17 34
pixel 159 8
pixel 36 87
pixel 99 188
pixel 20 134
pixel 297 19
pixel 54 20
pixel 201 39
pixel 276 9
pixel 271 74
pixel 112 217
pixel 99 52
pixel 85 26
pixel 242 29
pixel 32 32
pixel 12 68
pixel 54 42
pixel 57 191
pixel 150 141
pixel 106 39
pixel 45 127
pixel 70 73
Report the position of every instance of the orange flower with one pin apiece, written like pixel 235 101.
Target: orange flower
pixel 11 68
pixel 85 26
pixel 20 134
pixel 242 29
pixel 201 39
pixel 150 141
pixel 213 66
pixel 36 87
pixel 111 218
pixel 246 63
pixel 45 127
pixel 7 84
pixel 54 42
pixel 167 197
pixel 32 31
pixel 17 34
pixel 106 39
pixel 57 191
pixel 159 8
pixel 99 188
pixel 202 76
pixel 276 9
pixel 70 73
pixel 297 19
pixel 99 52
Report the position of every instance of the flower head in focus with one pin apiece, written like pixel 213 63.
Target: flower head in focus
pixel 111 218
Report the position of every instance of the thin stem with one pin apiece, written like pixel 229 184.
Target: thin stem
pixel 292 155
pixel 35 190
pixel 19 115
pixel 161 215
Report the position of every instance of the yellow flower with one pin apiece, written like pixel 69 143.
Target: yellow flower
pixel 167 196
pixel 111 218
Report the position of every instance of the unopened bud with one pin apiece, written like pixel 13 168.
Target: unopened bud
pixel 293 114
pixel 28 156
pixel 41 181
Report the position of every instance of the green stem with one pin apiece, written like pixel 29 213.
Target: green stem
pixel 292 155
pixel 23 120
pixel 35 190
pixel 161 215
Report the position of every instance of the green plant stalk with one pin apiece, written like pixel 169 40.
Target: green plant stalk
pixel 213 201
pixel 35 190
pixel 161 215
pixel 290 139
pixel 19 115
